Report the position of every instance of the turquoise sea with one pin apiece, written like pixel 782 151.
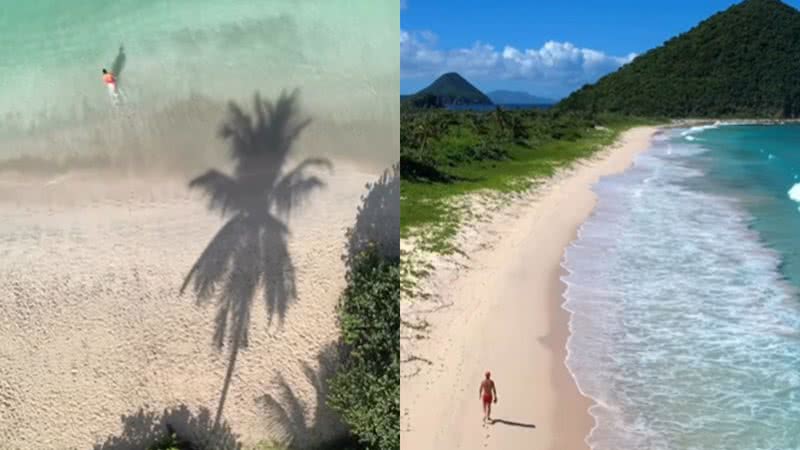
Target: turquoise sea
pixel 683 288
pixel 179 63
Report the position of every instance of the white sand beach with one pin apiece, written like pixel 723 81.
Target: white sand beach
pixel 98 347
pixel 497 306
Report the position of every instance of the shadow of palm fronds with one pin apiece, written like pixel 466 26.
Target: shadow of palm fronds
pixel 146 427
pixel 287 411
pixel 250 252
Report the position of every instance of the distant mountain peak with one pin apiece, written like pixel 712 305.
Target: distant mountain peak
pixel 452 76
pixel 453 89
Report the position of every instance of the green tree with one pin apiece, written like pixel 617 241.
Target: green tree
pixel 366 390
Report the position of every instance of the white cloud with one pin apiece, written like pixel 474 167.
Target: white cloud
pixel 555 63
pixel 403 4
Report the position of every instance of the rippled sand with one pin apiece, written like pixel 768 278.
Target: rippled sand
pixel 93 327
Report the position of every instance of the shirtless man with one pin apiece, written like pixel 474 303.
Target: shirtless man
pixel 486 392
pixel 111 82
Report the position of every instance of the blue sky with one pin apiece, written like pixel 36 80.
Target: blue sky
pixel 548 48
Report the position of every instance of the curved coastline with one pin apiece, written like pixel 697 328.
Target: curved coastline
pixel 511 276
pixel 638 308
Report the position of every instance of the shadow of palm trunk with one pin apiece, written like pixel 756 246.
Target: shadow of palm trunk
pixel 226 384
pixel 250 252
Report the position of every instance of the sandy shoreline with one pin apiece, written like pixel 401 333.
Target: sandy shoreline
pixel 497 306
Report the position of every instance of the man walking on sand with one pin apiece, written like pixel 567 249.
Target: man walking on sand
pixel 486 392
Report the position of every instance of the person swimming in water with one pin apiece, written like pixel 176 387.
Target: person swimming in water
pixel 111 81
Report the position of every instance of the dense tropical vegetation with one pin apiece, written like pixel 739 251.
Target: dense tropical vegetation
pixel 366 389
pixel 445 153
pixel 742 62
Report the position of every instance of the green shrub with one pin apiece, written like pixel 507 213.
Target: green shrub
pixel 366 390
pixel 170 442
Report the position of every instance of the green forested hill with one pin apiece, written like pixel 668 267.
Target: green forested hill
pixel 744 61
pixel 451 89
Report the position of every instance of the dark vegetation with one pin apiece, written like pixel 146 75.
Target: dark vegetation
pixel 449 89
pixel 445 153
pixel 742 62
pixel 366 390
pixel 434 143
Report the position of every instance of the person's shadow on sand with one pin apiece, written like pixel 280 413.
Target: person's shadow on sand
pixel 513 424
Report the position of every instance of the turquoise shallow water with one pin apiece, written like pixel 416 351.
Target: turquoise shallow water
pixel 760 166
pixel 183 61
pixel 683 289
pixel 53 50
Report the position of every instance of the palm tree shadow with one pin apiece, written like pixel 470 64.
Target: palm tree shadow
pixel 286 411
pixel 146 427
pixel 377 224
pixel 119 63
pixel 250 253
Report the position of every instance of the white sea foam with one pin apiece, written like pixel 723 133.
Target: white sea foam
pixel 701 128
pixel 683 330
pixel 794 192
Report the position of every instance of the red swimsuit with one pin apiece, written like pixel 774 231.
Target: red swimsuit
pixel 487 392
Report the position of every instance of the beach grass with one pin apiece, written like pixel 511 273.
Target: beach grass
pixel 432 208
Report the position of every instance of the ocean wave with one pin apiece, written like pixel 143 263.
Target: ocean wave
pixel 794 192
pixel 683 330
pixel 701 128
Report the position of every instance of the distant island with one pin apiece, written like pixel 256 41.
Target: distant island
pixel 741 62
pixel 505 97
pixel 449 89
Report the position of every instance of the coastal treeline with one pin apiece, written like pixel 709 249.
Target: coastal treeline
pixel 366 389
pixel 435 143
pixel 445 152
pixel 742 62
